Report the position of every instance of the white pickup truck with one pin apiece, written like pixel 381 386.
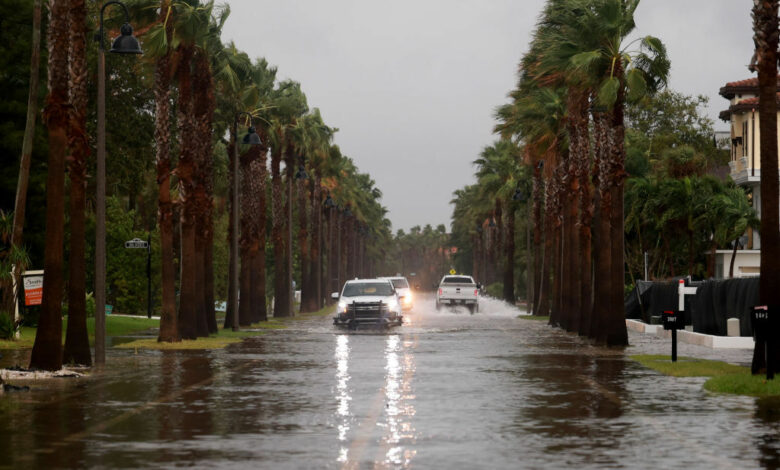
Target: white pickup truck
pixel 458 290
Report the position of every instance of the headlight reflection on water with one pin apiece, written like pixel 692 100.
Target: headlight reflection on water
pixel 342 393
pixel 399 408
pixel 393 411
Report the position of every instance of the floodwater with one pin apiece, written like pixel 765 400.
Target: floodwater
pixel 446 390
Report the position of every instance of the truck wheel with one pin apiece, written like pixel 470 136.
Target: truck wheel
pixel 438 306
pixel 471 309
pixel 476 308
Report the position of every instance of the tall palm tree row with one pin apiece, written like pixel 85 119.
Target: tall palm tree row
pixel 566 119
pixel 200 87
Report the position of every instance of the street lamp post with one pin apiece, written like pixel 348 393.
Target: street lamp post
pixel 252 139
pixel 124 44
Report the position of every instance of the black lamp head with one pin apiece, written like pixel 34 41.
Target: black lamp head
pixel 301 173
pixel 126 43
pixel 252 138
pixel 519 195
pixel 329 202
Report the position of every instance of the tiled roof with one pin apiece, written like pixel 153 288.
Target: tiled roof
pixel 750 82
pixel 749 85
pixel 744 105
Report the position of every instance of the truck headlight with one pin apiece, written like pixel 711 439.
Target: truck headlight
pixel 407 300
pixel 392 305
pixel 342 307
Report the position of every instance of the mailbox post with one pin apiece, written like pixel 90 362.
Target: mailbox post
pixel 673 321
pixel 763 332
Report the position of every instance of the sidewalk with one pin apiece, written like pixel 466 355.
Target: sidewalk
pixel 647 339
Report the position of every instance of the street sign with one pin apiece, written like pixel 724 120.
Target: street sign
pixel 136 243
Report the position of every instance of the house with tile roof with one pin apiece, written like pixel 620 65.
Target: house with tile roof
pixel 745 169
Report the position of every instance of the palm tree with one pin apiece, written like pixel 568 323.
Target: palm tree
pixel 619 74
pixel 290 104
pixel 77 340
pixel 497 174
pixel 734 216
pixel 24 163
pixel 765 25
pixel 47 350
pixel 312 139
pixel 207 57
pixel 157 43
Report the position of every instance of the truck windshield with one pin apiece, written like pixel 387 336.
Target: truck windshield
pixel 457 280
pixel 368 288
pixel 400 283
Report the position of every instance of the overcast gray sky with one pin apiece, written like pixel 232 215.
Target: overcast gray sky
pixel 412 85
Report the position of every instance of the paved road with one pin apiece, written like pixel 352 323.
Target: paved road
pixel 447 390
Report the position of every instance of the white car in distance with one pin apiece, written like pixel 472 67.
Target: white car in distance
pixel 368 302
pixel 404 291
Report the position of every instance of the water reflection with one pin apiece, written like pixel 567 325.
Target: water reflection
pixel 768 442
pixel 576 402
pixel 384 432
pixel 399 400
pixel 342 394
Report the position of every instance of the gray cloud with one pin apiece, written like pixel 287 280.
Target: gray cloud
pixel 412 85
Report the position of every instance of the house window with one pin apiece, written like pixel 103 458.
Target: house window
pixel 745 139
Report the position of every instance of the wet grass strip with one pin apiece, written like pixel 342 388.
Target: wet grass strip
pixel 723 377
pixel 224 337
pixel 534 317
pixel 115 326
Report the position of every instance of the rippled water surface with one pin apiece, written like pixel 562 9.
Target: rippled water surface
pixel 446 390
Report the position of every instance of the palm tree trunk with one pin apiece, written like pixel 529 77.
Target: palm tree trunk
pixel 47 350
pixel 77 340
pixel 765 25
pixel 615 326
pixel 557 306
pixel 316 244
pixel 202 202
pixel 259 275
pixel 288 309
pixel 186 171
pixel 307 294
pixel 602 202
pixel 537 223
pixel 20 204
pixel 247 238
pixel 281 300
pixel 581 160
pixel 231 151
pixel 169 328
pixel 509 262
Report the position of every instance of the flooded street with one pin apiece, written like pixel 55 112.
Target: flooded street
pixel 446 390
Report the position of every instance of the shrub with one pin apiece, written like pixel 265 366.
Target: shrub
pixel 496 290
pixel 7 328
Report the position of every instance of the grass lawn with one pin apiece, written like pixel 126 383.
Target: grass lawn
pixel 534 317
pixel 116 325
pixel 724 378
pixel 225 337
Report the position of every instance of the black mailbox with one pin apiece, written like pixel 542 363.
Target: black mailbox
pixel 673 320
pixel 760 321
